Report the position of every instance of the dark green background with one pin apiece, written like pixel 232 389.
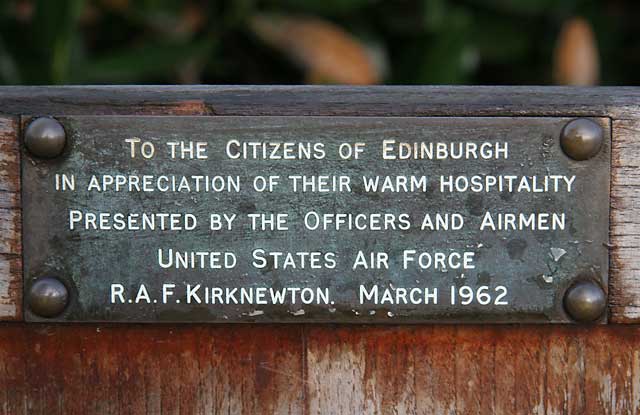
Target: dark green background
pixel 425 41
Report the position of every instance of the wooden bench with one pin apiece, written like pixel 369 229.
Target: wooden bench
pixel 325 369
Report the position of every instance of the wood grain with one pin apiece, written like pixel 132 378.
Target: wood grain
pixel 624 280
pixel 473 370
pixel 253 369
pixel 150 370
pixel 615 102
pixel 10 223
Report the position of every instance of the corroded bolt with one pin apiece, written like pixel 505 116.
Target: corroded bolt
pixel 585 301
pixel 581 138
pixel 45 137
pixel 47 297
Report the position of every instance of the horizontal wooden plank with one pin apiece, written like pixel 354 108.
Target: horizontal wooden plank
pixel 473 370
pixel 196 369
pixel 10 222
pixel 150 370
pixel 616 102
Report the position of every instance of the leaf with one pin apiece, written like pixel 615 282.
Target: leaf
pixel 576 56
pixel 327 53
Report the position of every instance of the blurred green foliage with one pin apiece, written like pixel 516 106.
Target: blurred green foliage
pixel 422 41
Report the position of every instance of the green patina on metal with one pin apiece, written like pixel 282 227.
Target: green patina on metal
pixel 104 269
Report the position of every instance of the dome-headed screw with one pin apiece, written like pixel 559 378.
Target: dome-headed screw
pixel 581 138
pixel 45 137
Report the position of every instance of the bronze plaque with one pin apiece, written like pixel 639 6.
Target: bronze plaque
pixel 315 219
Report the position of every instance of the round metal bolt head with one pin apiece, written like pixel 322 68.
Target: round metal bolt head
pixel 45 137
pixel 585 301
pixel 47 297
pixel 581 138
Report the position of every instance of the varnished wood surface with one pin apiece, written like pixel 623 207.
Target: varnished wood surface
pixel 263 369
pixel 150 370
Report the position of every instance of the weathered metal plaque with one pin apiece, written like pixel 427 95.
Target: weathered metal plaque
pixel 315 219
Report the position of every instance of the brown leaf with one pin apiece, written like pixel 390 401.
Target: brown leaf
pixel 23 10
pixel 576 59
pixel 324 50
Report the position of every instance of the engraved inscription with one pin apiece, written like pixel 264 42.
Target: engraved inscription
pixel 350 219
